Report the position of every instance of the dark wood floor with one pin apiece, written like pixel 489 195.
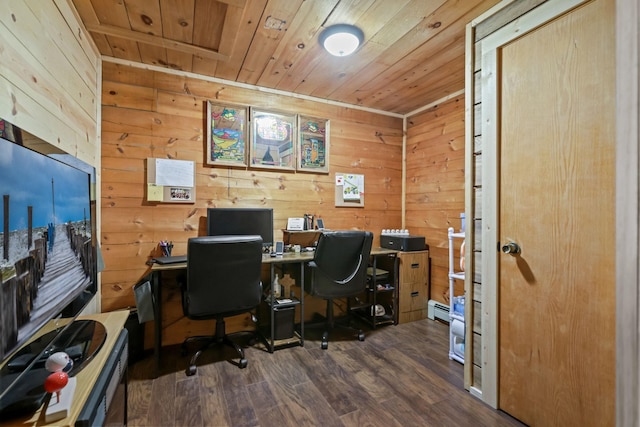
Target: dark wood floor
pixel 399 376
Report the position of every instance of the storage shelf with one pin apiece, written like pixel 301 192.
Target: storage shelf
pixel 459 276
pixel 456 316
pixel 272 307
pixel 455 342
pixel 386 319
pixel 460 235
pixel 456 357
pixel 385 267
pixel 380 290
pixel 277 304
pixel 295 340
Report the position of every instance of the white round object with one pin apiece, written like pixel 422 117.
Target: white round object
pixel 58 361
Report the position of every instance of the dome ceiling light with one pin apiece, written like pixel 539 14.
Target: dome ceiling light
pixel 341 39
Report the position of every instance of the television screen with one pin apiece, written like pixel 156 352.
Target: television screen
pixel 47 254
pixel 241 221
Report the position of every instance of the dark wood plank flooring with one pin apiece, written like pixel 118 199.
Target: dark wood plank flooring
pixel 399 376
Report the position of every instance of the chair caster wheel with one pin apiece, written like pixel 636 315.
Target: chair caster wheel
pixel 324 345
pixel 360 336
pixel 191 370
pixel 243 363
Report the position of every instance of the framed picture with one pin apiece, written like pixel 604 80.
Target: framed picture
pixel 227 134
pixel 313 150
pixel 273 137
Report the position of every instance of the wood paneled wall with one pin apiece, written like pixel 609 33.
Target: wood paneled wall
pixel 149 113
pixel 49 80
pixel 50 77
pixel 435 184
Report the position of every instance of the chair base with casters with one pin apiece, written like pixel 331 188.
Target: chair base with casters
pixel 330 324
pixel 223 280
pixel 220 338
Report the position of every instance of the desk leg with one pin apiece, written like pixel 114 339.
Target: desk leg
pixel 157 319
pixel 374 290
pixel 271 312
pixel 302 304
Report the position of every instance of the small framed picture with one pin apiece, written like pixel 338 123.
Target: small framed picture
pixel 313 149
pixel 295 224
pixel 272 140
pixel 320 224
pixel 180 194
pixel 227 134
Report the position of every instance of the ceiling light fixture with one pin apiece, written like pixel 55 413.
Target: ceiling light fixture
pixel 341 39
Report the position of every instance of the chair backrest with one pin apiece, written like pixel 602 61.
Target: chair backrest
pixel 223 276
pixel 339 265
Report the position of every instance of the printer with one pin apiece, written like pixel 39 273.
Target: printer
pixel 401 240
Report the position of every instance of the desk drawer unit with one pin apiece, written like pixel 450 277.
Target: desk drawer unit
pixel 413 301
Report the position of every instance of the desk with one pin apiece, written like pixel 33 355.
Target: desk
pixel 286 258
pixel 156 281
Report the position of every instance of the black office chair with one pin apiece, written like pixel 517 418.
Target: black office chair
pixel 339 270
pixel 223 279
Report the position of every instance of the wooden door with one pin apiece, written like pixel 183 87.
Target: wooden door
pixel 556 201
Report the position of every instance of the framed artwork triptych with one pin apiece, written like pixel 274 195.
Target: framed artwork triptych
pixel 242 137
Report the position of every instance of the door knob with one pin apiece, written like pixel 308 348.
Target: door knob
pixel 511 248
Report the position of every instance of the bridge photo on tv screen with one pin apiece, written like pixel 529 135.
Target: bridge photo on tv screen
pixel 46 254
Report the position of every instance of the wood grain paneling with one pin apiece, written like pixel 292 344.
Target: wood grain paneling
pixel 412 53
pixel 151 114
pixel 435 183
pixel 49 77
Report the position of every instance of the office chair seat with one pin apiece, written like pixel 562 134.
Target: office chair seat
pixel 223 280
pixel 338 270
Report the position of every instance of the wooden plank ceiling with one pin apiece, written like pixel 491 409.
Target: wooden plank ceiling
pixel 412 56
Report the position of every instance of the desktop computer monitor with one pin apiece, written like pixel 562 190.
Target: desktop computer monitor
pixel 241 221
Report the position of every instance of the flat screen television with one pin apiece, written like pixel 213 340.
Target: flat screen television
pixel 241 221
pixel 48 268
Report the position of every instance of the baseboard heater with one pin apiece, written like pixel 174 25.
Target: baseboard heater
pixel 438 311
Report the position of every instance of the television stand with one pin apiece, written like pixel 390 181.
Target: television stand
pixel 80 339
pixel 104 373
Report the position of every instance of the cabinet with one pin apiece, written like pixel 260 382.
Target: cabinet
pixel 381 290
pixel 413 285
pixel 456 303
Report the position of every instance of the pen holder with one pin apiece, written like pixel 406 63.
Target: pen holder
pixel 166 249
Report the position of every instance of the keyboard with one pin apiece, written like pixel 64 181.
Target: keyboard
pixel 170 259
